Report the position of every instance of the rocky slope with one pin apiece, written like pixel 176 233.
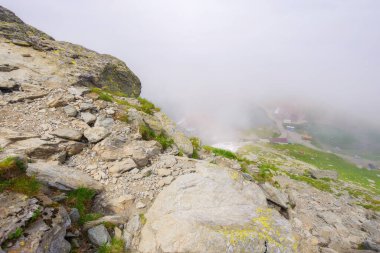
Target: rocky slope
pixel 86 165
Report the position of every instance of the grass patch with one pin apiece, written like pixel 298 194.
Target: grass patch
pixel 81 199
pixel 221 152
pixel 197 146
pixel 16 234
pixel 164 140
pixel 123 117
pixel 265 173
pixel 116 246
pixel 13 178
pixel 36 215
pixel 107 95
pixel 148 134
pixel 319 184
pixel 26 185
pixel 11 167
pixel 370 207
pixel 147 106
pixel 323 160
pixel 102 94
pixel 142 218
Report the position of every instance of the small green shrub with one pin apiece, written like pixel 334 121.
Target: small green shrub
pixel 146 132
pixel 142 218
pixel 116 246
pixel 26 185
pixel 123 118
pixel 11 167
pixel 318 184
pixel 81 199
pixel 102 94
pixel 164 140
pixel 16 234
pixel 147 106
pixel 221 152
pixel 196 142
pixel 36 215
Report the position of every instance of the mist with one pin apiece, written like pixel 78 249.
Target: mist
pixel 210 61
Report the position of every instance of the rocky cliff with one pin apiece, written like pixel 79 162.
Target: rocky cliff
pixel 86 165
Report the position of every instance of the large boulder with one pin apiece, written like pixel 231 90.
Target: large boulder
pixel 216 211
pixel 61 177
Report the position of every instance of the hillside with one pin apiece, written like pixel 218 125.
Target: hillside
pixel 87 165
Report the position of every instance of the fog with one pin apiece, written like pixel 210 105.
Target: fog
pixel 210 61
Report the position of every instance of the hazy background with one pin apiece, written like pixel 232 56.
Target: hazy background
pixel 209 60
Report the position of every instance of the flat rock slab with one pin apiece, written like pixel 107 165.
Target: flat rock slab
pixel 62 177
pixel 214 210
pixel 68 133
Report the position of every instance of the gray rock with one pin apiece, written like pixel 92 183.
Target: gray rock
pixel 216 211
pixel 61 177
pixel 7 68
pixel 114 219
pixel 78 91
pixel 133 224
pixel 74 215
pixel 318 174
pixel 164 172
pixel 105 122
pixel 142 151
pixel 87 117
pixel 96 134
pixel 275 195
pixel 122 166
pixel 86 106
pixel 247 177
pixel 68 133
pixel 369 245
pixel 99 235
pixel 60 100
pixel 127 237
pixel 70 111
pixel 228 163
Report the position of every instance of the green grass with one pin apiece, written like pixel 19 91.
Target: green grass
pixel 11 167
pixel 109 96
pixel 123 117
pixel 13 177
pixel 164 140
pixel 323 160
pixel 221 152
pixel 102 94
pixel 16 234
pixel 81 199
pixel 148 134
pixel 36 215
pixel 116 246
pixel 319 184
pixel 24 184
pixel 142 218
pixel 147 106
pixel 197 146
